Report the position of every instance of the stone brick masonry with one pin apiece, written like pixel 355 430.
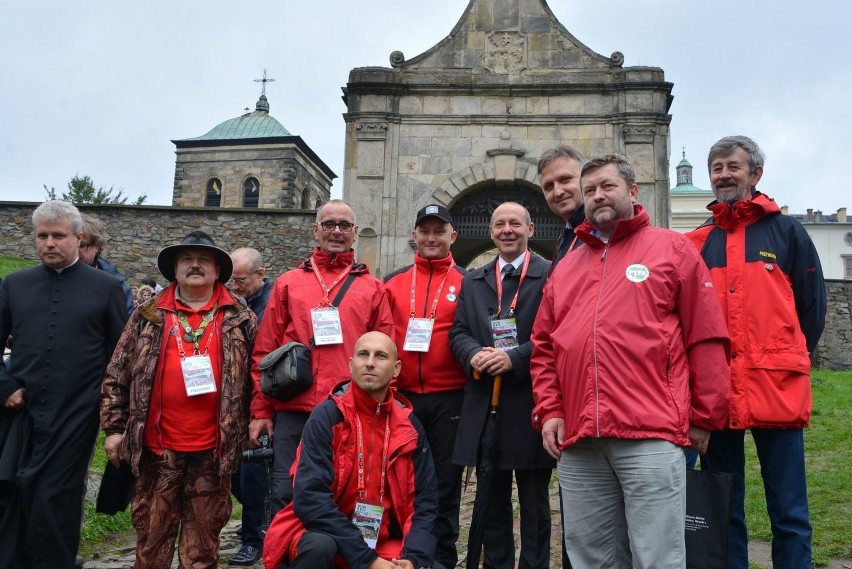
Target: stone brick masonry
pixel 137 233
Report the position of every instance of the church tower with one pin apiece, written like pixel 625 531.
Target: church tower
pixel 250 161
pixel 688 202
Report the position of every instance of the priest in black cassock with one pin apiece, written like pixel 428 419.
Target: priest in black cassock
pixel 64 318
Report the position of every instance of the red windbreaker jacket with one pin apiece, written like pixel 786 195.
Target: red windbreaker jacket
pixel 769 283
pixel 436 370
pixel 364 308
pixel 629 341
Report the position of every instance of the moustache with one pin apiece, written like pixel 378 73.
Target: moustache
pixel 198 272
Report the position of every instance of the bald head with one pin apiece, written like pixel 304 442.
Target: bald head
pixel 374 364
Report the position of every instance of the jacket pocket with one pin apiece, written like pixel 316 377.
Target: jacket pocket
pixel 778 390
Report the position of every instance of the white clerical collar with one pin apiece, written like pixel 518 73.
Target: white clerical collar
pixel 59 270
pixel 517 263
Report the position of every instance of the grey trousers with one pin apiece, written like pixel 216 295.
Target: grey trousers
pixel 625 503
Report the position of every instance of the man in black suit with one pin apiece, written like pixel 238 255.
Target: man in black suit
pixel 491 337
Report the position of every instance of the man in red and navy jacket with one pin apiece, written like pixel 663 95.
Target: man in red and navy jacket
pixel 768 279
pixel 423 302
pixel 365 493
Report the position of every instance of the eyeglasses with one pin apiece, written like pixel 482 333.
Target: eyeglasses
pixel 243 280
pixel 84 245
pixel 344 226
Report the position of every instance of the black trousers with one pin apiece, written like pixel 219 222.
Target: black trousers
pixel 40 527
pixel 534 499
pixel 249 485
pixel 288 433
pixel 439 413
pixel 318 551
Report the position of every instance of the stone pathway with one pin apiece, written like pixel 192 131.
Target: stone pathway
pixel 121 555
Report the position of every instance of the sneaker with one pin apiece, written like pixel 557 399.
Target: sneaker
pixel 247 555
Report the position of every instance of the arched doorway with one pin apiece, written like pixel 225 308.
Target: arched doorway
pixel 472 214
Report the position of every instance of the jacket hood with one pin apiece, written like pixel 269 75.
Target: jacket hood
pixel 729 215
pixel 344 386
pixel 433 264
pixel 334 261
pixel 623 228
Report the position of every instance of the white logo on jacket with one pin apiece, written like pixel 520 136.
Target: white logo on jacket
pixel 637 273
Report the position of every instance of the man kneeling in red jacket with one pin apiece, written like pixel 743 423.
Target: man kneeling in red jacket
pixel 365 494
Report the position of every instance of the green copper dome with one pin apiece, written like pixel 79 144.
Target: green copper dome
pixel 684 179
pixel 258 124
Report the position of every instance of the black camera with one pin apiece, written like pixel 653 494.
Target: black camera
pixel 261 453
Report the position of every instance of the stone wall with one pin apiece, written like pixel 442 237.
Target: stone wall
pixel 137 233
pixel 833 351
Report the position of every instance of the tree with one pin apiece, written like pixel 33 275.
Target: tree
pixel 83 190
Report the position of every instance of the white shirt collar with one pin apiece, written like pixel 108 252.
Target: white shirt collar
pixel 517 263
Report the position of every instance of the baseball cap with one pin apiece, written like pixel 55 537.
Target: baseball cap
pixel 434 210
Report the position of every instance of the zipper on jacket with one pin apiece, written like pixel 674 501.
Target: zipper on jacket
pixel 595 341
pixel 369 468
pixel 425 313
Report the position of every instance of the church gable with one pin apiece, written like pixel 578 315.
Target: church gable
pixel 465 122
pixel 521 39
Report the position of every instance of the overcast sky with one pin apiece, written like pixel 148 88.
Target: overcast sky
pixel 101 88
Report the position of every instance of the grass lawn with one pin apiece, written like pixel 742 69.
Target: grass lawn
pixel 829 466
pixel 10 265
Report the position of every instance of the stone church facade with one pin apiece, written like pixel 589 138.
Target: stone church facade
pixel 250 161
pixel 464 123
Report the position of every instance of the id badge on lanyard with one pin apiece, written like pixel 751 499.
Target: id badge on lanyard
pixel 326 324
pixel 368 519
pixel 419 335
pixel 505 333
pixel 198 375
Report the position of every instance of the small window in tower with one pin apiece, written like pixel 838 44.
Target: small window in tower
pixel 306 199
pixel 214 193
pixel 251 192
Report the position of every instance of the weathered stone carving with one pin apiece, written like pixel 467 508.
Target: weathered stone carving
pixel 639 134
pixel 372 126
pixel 397 59
pixel 506 52
pixel 371 130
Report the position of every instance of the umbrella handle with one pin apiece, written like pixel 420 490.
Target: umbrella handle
pixel 495 391
pixel 475 374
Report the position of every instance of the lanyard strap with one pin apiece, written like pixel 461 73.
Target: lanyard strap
pixel 434 310
pixel 326 290
pixel 517 292
pixel 361 484
pixel 179 335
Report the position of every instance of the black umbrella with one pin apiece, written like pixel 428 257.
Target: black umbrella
pixel 488 451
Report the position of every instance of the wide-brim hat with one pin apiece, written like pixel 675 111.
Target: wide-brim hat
pixel 195 240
